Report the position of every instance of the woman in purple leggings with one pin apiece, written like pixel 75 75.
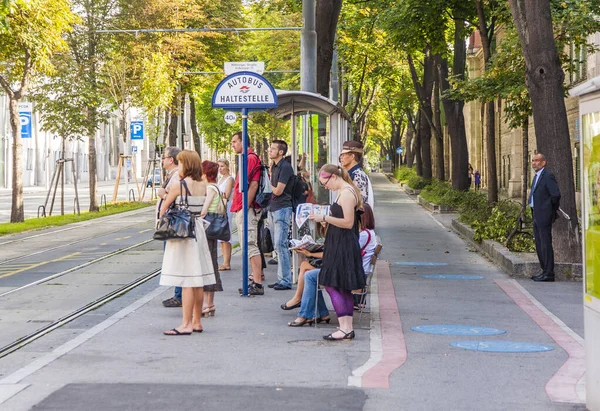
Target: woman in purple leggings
pixel 342 270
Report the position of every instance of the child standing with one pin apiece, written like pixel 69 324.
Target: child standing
pixel 477 180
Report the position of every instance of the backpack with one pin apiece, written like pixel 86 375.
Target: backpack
pixel 299 191
pixel 264 191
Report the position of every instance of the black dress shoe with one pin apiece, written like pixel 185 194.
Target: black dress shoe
pixel 544 278
pixel 280 287
pixel 286 307
pixel 272 285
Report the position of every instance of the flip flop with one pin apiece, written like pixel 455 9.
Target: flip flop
pixel 224 268
pixel 199 331
pixel 174 331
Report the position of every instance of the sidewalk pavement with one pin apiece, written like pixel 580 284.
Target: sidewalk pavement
pixel 247 358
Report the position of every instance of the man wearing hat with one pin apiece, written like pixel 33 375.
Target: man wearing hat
pixel 351 159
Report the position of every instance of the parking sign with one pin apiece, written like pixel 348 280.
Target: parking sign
pixel 137 130
pixel 25 118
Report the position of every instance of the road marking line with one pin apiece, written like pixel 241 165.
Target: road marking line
pixel 565 385
pixel 390 354
pixel 65 257
pixel 355 380
pixel 33 367
pixel 145 231
pixel 43 280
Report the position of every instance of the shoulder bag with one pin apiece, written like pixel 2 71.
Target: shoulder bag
pixel 219 223
pixel 178 221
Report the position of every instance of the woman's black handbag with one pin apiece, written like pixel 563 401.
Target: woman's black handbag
pixel 178 221
pixel 219 223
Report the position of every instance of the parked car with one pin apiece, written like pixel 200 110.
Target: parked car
pixel 155 178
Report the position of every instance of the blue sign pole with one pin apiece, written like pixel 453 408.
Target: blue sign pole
pixel 245 187
pixel 244 91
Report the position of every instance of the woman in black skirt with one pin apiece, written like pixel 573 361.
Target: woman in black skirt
pixel 342 269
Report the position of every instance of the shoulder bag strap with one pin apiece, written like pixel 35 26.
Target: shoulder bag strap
pixel 183 201
pixel 364 247
pixel 221 198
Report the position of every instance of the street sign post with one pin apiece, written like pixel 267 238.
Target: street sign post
pixel 399 150
pixel 25 119
pixel 244 91
pixel 137 130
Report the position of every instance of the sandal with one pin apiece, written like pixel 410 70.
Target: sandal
pixel 224 267
pixel 301 323
pixel 175 331
pixel 208 311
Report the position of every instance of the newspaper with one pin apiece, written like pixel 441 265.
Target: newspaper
pixel 304 210
pixel 306 243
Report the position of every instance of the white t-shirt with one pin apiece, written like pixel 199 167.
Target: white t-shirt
pixel 369 250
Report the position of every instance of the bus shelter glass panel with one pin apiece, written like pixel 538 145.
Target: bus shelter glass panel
pixel 591 187
pixel 314 129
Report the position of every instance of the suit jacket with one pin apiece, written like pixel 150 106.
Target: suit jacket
pixel 546 199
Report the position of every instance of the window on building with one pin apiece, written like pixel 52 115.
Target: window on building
pixel 577 168
pixel 29 159
pixel 578 56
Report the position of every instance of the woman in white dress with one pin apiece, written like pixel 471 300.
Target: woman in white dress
pixel 225 184
pixel 187 262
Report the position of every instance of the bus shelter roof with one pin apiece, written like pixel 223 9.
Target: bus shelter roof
pixel 304 101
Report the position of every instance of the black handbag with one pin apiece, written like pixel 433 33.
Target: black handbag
pixel 178 222
pixel 218 228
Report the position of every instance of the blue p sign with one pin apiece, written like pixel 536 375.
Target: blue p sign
pixel 137 130
pixel 25 119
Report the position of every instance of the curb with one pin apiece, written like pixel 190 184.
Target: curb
pixel 435 208
pixel 522 265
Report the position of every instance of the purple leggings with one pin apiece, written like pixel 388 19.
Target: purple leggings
pixel 342 300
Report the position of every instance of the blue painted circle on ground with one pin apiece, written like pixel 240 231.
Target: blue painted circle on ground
pixel 501 346
pixel 420 263
pixel 452 277
pixel 456 330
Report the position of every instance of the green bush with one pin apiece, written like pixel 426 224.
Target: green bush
pixel 474 207
pixel 442 193
pixel 403 173
pixel 417 183
pixel 500 224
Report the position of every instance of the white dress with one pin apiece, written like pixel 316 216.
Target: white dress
pixel 187 261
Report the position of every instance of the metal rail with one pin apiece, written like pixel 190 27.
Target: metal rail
pixel 23 341
pixel 202 30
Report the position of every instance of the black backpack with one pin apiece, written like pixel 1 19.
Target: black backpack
pixel 264 191
pixel 299 191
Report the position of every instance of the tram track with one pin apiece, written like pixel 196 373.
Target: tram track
pixel 78 267
pixel 23 341
pixel 54 232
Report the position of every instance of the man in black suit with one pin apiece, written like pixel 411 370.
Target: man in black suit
pixel 544 200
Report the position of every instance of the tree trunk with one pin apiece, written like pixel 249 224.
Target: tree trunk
pixel 173 128
pixel 440 173
pixel 486 33
pixel 418 142
pixel 17 214
pixel 327 14
pixel 424 91
pixel 544 79
pixel 92 165
pixel 410 133
pixel 490 143
pixel 194 126
pixel 525 158
pixel 454 115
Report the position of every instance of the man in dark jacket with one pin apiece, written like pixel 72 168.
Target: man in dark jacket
pixel 544 201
